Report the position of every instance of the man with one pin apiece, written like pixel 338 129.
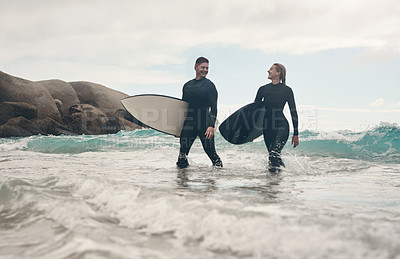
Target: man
pixel 202 96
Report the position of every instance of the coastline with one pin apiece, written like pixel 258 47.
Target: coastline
pixel 55 107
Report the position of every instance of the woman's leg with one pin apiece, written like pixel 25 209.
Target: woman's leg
pixel 275 140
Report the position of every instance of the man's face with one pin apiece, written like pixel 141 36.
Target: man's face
pixel 201 70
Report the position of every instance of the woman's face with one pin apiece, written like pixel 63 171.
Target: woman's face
pixel 273 73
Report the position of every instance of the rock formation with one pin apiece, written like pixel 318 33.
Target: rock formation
pixel 57 107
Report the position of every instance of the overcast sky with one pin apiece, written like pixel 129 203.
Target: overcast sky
pixel 342 56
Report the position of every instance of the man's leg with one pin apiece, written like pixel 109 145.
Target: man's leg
pixel 188 136
pixel 209 148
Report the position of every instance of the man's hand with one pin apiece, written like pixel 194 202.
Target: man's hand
pixel 209 132
pixel 295 141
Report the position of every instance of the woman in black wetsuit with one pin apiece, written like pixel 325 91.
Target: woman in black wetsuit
pixel 276 127
pixel 202 96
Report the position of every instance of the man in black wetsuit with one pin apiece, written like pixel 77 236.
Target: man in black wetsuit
pixel 202 96
pixel 276 127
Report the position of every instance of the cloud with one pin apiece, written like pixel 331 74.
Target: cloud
pixel 378 102
pixel 134 26
pixel 356 110
pixel 138 35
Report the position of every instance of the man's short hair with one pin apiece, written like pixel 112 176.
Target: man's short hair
pixel 201 60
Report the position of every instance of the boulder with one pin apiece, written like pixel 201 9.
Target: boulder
pixel 25 124
pixel 63 94
pixel 10 110
pixel 52 127
pixel 14 89
pixel 7 131
pixel 128 125
pixel 99 96
pixel 87 119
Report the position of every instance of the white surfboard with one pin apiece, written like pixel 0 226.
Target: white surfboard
pixel 163 113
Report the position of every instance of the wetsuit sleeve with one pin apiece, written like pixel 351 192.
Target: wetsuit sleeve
pixel 213 97
pixel 293 112
pixel 183 93
pixel 259 95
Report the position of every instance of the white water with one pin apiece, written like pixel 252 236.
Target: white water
pixel 133 203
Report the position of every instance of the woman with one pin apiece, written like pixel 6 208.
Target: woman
pixel 276 127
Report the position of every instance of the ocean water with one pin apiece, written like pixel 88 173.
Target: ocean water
pixel 121 196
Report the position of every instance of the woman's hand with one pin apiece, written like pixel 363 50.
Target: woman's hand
pixel 209 132
pixel 295 141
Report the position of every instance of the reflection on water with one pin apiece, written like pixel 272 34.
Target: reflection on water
pixel 199 184
pixel 264 188
pixel 268 188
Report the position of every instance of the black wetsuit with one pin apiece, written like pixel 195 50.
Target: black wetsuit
pixel 202 113
pixel 276 126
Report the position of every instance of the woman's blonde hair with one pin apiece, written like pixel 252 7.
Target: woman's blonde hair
pixel 282 70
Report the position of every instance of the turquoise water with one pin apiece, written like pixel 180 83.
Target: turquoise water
pixel 381 144
pixel 121 196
